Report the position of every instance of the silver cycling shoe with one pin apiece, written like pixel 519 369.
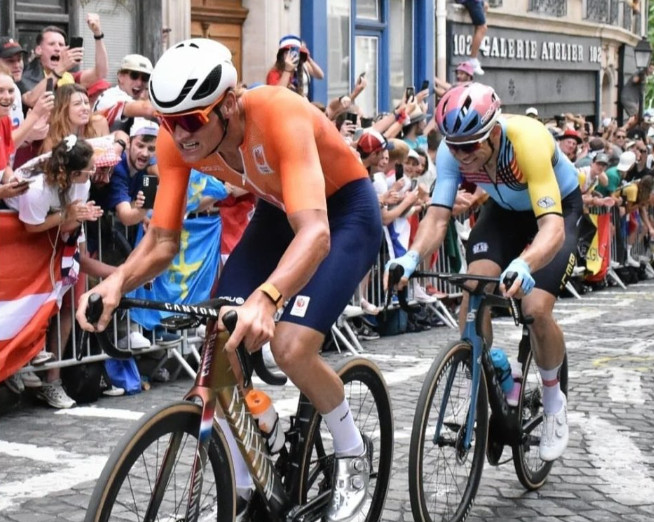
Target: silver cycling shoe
pixel 351 479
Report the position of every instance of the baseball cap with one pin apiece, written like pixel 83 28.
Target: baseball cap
pixel 601 157
pixel 417 115
pixel 136 62
pixel 570 133
pixel 144 127
pixel 413 154
pixel 467 68
pixel 289 40
pixel 10 47
pixel 98 87
pixel 531 111
pixel 627 160
pixel 371 141
pixel 629 144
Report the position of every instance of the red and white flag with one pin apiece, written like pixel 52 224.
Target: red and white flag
pixel 28 294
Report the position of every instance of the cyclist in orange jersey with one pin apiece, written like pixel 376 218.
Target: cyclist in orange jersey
pixel 315 232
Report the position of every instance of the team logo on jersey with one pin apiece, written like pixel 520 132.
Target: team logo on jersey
pixel 260 160
pixel 545 202
pixel 478 248
pixel 300 305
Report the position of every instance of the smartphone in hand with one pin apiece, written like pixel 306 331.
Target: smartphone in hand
pixel 352 117
pixel 149 188
pixel 425 85
pixel 49 85
pixel 410 93
pixel 76 41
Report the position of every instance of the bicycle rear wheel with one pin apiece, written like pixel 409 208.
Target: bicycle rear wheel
pixel 370 405
pixel 443 475
pixel 126 484
pixel 532 472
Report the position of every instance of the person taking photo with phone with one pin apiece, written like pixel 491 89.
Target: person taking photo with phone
pixel 55 59
pixel 314 234
pixel 125 195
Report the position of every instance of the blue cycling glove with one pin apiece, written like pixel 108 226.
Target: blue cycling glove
pixel 408 261
pixel 520 267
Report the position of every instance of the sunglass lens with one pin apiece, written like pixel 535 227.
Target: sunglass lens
pixel 188 122
pixel 465 148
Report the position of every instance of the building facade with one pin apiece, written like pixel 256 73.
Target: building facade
pixel 558 55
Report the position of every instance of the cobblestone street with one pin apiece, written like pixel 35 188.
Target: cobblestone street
pixel 49 459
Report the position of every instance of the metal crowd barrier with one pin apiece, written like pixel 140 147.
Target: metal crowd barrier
pixel 343 332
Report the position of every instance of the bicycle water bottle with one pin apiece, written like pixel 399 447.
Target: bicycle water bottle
pixel 264 412
pixel 502 369
pixel 513 397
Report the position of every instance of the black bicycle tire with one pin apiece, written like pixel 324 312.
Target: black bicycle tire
pixel 534 478
pixel 419 505
pixel 366 371
pixel 167 419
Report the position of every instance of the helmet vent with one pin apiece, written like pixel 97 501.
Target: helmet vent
pixel 182 95
pixel 210 83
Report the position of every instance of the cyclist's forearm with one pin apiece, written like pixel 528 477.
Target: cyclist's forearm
pixel 150 257
pixel 431 232
pixel 546 243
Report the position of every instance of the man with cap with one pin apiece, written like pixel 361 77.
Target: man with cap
pixel 371 147
pixel 464 72
pixel 124 195
pixel 569 140
pixel 532 112
pixel 35 125
pixel 616 174
pixel 594 174
pixel 293 66
pixel 129 98
pixel 54 59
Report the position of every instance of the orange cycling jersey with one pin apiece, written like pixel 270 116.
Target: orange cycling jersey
pixel 293 157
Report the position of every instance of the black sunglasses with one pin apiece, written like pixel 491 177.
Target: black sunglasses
pixel 466 148
pixel 134 75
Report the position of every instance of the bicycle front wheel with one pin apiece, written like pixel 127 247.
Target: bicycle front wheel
pixel 128 480
pixel 532 472
pixel 370 405
pixel 444 475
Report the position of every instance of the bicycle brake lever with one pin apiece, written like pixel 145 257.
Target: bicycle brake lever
pixel 93 313
pixel 229 320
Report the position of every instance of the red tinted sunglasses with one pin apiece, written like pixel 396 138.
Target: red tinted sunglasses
pixel 190 121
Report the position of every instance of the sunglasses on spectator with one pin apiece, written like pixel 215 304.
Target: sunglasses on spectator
pixel 135 75
pixel 190 121
pixel 620 136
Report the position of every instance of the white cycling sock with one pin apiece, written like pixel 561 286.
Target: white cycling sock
pixel 347 438
pixel 552 396
pixel 242 476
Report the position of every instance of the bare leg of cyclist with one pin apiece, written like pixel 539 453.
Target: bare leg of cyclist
pixel 547 345
pixel 295 349
pixel 483 267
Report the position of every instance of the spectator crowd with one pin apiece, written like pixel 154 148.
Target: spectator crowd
pixel 78 173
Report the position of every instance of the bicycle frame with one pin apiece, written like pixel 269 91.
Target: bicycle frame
pixel 480 361
pixel 216 387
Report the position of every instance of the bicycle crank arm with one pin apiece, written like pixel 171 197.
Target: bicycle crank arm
pixel 311 511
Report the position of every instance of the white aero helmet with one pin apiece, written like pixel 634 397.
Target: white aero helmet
pixel 191 75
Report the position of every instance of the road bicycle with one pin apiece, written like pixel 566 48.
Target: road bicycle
pixel 174 464
pixel 452 431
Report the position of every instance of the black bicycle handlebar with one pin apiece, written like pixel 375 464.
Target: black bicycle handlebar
pixel 396 271
pixel 209 310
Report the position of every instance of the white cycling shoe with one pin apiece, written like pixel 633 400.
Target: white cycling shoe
pixel 554 438
pixel 351 480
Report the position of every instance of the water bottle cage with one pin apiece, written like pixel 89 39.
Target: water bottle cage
pixel 268 436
